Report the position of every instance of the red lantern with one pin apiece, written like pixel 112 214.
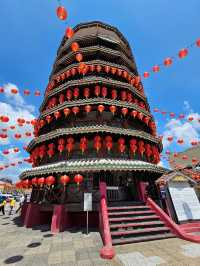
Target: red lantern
pixel 122 148
pixel 121 141
pixel 134 113
pixel 41 181
pixel 69 32
pixel 64 180
pixel 156 68
pixel 194 142
pixel 104 92
pixel 1 89
pixel 190 118
pixel 14 91
pixel 75 46
pixel 113 70
pixel 119 72
pixel 168 61
pixel 61 98
pixel 86 93
pixel 185 157
pixel 140 115
pixel 146 120
pixel 170 138
pixel 79 57
pixel 76 93
pixel 182 53
pixel 113 109
pixel 50 180
pixel 114 94
pixel 194 160
pixel 88 108
pixel 181 116
pixel 69 147
pixel 101 108
pixel 61 13
pixel 26 92
pixel 125 74
pixel 16 150
pixel 97 145
pixel 66 111
pixel 146 74
pixel 69 95
pixel 4 119
pixel 48 118
pixel 98 68
pixel 75 110
pixel 97 90
pixel 92 68
pixel 34 181
pixel 123 95
pixel 6 152
pixel 17 136
pixel 137 80
pixel 57 114
pixel 198 43
pixel 26 183
pixel 172 114
pixel 37 93
pixel 78 179
pixel 107 69
pixel 124 111
pixel 180 141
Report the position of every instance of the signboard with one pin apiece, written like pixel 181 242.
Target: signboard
pixel 87 201
pixel 185 201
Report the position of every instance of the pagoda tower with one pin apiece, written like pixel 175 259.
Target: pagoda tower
pixel 95 125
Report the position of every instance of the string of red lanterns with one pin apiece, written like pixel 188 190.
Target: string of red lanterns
pixel 182 53
pixel 49 181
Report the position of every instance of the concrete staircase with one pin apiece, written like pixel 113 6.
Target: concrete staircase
pixel 135 222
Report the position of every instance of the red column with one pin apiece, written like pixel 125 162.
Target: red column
pixel 32 216
pixel 142 190
pixel 60 219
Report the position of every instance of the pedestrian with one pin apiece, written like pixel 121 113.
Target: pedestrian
pixel 21 201
pixel 2 206
pixel 12 205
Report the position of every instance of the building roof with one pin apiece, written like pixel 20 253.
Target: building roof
pixel 93 165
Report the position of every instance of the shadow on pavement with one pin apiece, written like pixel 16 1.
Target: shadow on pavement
pixel 13 259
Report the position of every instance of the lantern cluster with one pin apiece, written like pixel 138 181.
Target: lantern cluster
pixel 100 144
pixel 88 69
pixel 97 91
pixel 48 181
pixel 125 112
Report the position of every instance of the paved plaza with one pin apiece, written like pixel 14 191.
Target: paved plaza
pixel 21 246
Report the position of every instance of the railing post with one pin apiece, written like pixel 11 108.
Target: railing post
pixel 107 251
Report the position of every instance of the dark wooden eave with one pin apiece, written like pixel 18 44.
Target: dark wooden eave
pixel 93 129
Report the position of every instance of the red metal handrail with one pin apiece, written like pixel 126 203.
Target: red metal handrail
pixel 107 251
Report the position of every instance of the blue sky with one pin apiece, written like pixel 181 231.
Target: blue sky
pixel 31 33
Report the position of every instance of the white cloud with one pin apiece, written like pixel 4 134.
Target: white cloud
pixel 16 99
pixel 184 129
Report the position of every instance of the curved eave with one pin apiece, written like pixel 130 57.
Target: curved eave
pixel 94 101
pixel 93 166
pixel 103 25
pixel 91 40
pixel 93 129
pixel 92 80
pixel 92 50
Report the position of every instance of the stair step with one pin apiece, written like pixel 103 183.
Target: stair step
pixel 130 213
pixel 136 218
pixel 140 231
pixel 125 203
pixel 128 208
pixel 120 241
pixel 142 224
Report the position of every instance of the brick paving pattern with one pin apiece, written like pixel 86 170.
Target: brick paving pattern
pixel 37 246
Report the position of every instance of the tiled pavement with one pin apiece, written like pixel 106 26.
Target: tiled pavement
pixel 21 246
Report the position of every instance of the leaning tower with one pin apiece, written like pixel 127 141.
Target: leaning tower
pixel 94 125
